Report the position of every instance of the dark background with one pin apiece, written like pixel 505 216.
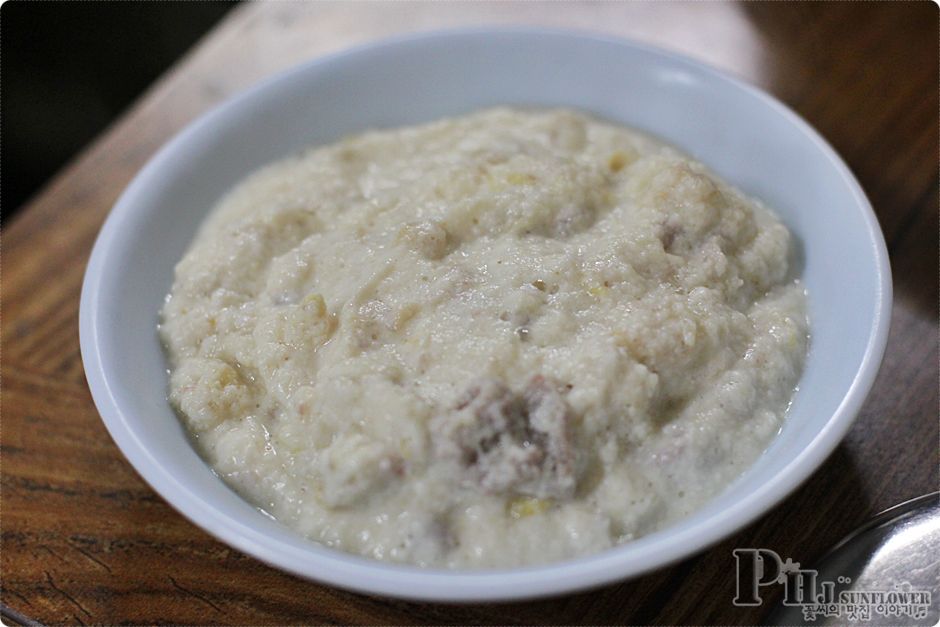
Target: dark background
pixel 70 68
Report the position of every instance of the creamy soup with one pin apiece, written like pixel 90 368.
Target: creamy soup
pixel 501 339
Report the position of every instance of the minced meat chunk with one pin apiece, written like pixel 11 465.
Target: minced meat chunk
pixel 505 441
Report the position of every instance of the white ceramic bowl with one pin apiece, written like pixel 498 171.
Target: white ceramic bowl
pixel 746 136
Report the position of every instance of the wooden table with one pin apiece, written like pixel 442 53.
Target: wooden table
pixel 84 540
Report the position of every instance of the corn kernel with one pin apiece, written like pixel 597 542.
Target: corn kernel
pixel 617 161
pixel 227 377
pixel 525 506
pixel 520 178
pixel 315 303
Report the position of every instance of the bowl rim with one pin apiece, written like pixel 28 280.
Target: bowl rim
pixel 409 582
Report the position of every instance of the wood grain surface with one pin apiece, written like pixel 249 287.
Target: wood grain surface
pixel 84 540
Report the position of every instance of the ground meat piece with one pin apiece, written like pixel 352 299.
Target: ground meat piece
pixel 550 417
pixel 511 442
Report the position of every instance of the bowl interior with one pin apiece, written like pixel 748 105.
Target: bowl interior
pixel 743 135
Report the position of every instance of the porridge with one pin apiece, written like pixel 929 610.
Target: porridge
pixel 501 339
